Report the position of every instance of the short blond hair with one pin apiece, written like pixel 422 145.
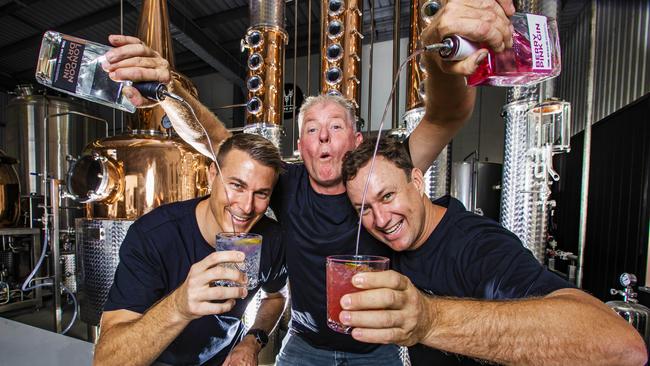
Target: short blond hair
pixel 324 99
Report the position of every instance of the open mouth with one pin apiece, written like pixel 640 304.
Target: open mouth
pixel 241 220
pixel 325 156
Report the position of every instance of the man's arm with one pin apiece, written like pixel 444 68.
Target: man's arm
pixel 567 325
pixel 268 315
pixel 132 60
pixel 134 339
pixel 449 102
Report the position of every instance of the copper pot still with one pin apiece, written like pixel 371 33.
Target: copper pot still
pixel 126 176
pixel 9 191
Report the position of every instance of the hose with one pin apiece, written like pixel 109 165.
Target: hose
pixel 29 278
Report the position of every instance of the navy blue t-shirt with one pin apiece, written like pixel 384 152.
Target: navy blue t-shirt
pixel 316 226
pixel 472 256
pixel 155 258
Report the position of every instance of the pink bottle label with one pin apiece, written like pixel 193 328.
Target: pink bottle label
pixel 539 42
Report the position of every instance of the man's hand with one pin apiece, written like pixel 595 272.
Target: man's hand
pixel 133 60
pixel 196 298
pixel 391 310
pixel 481 21
pixel 244 354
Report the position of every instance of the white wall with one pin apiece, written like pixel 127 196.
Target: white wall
pixel 214 92
pixel 382 82
pixel 484 132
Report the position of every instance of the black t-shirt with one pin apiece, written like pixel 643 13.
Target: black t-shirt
pixel 155 258
pixel 468 255
pixel 316 226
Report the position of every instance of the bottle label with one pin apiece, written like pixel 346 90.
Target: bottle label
pixel 68 65
pixel 540 43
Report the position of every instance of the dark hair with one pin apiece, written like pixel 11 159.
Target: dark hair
pixel 389 147
pixel 257 147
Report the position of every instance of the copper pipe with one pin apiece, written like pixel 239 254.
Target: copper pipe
pixel 370 71
pixel 295 60
pixel 265 67
pixel 396 44
pixel 308 48
pixel 341 31
pixel 153 30
pixel 416 73
pixel 266 41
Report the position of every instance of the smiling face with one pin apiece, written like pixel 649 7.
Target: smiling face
pixel 394 211
pixel 249 185
pixel 326 134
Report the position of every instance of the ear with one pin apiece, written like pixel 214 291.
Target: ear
pixel 417 178
pixel 358 139
pixel 299 146
pixel 212 172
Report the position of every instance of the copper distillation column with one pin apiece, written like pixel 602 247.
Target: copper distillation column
pixel 266 41
pixel 341 49
pixel 153 30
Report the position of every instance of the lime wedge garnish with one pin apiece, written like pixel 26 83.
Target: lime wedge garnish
pixel 249 241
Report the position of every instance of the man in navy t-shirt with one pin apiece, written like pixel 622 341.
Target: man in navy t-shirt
pixel 162 306
pixel 455 271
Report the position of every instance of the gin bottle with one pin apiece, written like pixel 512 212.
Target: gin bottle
pixel 533 58
pixel 74 66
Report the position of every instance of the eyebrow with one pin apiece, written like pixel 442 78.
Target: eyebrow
pixel 263 190
pixel 379 194
pixel 241 182
pixel 245 185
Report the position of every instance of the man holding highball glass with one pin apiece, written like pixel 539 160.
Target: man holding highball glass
pixel 168 302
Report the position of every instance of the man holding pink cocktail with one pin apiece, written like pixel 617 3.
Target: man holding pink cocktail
pixel 464 285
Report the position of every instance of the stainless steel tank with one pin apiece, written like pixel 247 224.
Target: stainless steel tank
pixel 66 135
pixel 478 186
pixel 98 246
pixel 42 145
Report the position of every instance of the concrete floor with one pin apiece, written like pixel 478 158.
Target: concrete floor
pixel 44 318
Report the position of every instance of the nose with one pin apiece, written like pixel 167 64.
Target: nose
pixel 382 217
pixel 324 136
pixel 246 203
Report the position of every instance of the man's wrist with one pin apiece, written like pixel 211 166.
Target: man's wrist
pixel 177 315
pixel 260 336
pixel 432 312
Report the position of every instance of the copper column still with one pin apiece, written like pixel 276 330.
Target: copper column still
pixel 341 48
pixel 266 41
pixel 437 177
pixel 153 30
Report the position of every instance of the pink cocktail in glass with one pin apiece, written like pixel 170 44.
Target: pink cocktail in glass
pixel 340 270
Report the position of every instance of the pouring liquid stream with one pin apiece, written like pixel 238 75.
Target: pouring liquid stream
pixel 214 158
pixel 381 127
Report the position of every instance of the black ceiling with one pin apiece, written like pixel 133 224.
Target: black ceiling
pixel 206 33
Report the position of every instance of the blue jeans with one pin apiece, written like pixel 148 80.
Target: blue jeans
pixel 297 352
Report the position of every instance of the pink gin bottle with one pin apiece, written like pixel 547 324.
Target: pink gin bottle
pixel 533 58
